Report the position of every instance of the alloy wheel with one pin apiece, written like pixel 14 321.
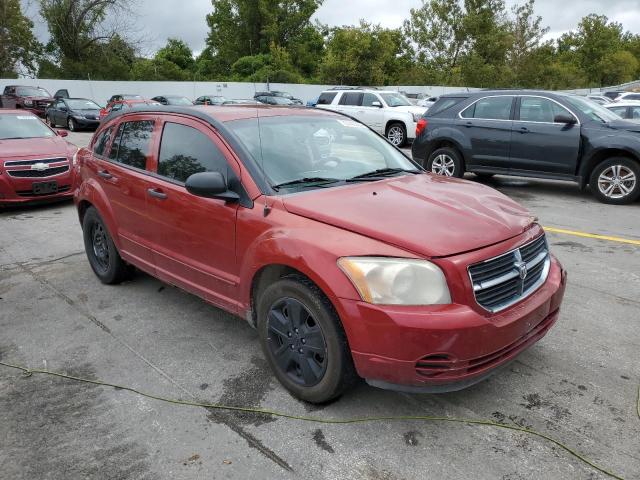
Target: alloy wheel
pixel 296 342
pixel 395 135
pixel 443 165
pixel 100 245
pixel 617 181
pixel 72 125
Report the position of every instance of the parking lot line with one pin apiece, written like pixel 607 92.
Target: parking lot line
pixel 592 235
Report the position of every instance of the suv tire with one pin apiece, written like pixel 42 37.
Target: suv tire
pixel 616 181
pixel 396 134
pixel 101 251
pixel 445 161
pixel 303 340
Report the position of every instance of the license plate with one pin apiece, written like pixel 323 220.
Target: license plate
pixel 43 188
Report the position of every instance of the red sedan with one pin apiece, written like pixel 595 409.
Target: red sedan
pixel 347 257
pixel 36 164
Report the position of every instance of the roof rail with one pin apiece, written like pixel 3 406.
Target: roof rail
pixel 346 87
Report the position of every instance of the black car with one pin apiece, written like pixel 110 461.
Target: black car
pixel 173 100
pixel 274 93
pixel 73 113
pixel 210 100
pixel 532 134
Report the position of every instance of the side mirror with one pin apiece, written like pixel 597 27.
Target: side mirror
pixel 62 133
pixel 210 185
pixel 376 104
pixel 568 119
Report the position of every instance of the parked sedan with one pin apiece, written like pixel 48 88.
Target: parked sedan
pixel 532 134
pixel 172 100
pixel 36 163
pixel 599 99
pixel 349 260
pixel 121 105
pixel 74 113
pixel 210 100
pixel 628 110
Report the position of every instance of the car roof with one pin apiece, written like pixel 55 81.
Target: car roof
pixel 77 98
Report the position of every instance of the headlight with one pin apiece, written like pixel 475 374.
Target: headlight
pixel 416 117
pixel 396 281
pixel 28 103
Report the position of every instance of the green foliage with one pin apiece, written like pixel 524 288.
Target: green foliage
pixel 18 46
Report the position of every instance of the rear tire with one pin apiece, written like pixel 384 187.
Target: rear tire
pixel 445 161
pixel 101 251
pixel 396 134
pixel 303 340
pixel 616 181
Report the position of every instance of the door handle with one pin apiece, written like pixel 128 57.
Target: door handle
pixel 105 174
pixel 157 193
pixel 524 130
pixel 468 124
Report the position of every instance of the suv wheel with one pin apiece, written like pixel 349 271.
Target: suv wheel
pixel 445 161
pixel 303 340
pixel 101 251
pixel 71 123
pixel 616 181
pixel 397 134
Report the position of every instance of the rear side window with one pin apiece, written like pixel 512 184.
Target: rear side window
pixel 102 141
pixel 490 108
pixel 351 98
pixel 185 151
pixel 132 144
pixel 443 104
pixel 326 98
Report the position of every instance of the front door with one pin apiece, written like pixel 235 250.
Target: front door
pixel 194 238
pixel 487 124
pixel 371 115
pixel 540 144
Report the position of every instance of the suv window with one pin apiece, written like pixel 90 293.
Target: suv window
pixel 490 108
pixel 635 96
pixel 619 111
pixel 133 143
pixel 102 141
pixel 351 98
pixel 326 98
pixel 444 103
pixel 368 99
pixel 185 151
pixel 635 112
pixel 537 109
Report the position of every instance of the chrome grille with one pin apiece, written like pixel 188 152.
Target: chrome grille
pixel 22 163
pixel 502 281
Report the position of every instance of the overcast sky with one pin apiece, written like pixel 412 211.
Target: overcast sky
pixel 188 21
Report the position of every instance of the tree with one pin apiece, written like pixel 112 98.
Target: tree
pixel 177 52
pixel 526 32
pixel 18 46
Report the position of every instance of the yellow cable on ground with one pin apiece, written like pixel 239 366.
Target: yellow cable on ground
pixel 27 372
pixel 592 235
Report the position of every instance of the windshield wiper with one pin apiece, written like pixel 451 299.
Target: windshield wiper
pixel 306 181
pixel 381 172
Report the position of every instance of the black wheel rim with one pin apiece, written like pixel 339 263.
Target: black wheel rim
pixel 296 342
pixel 100 246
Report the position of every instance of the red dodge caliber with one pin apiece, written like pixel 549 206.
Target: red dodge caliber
pixel 36 164
pixel 348 258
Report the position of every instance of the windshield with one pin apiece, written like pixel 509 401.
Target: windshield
pixel 179 101
pixel 591 109
pixel 78 104
pixel 297 147
pixel 15 126
pixel 32 92
pixel 395 99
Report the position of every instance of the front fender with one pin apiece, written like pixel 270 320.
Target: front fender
pixel 91 191
pixel 599 147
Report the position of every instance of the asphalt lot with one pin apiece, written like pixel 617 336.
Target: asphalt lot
pixel 578 385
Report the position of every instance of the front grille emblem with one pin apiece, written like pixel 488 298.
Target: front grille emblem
pixel 522 269
pixel 39 167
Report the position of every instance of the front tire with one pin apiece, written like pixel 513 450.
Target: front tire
pixel 101 251
pixel 397 134
pixel 445 161
pixel 71 123
pixel 616 181
pixel 303 340
pixel 50 122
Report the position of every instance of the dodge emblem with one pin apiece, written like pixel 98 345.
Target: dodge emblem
pixel 522 269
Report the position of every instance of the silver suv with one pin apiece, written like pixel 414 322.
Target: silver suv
pixel 387 112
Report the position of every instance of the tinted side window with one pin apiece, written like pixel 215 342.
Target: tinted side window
pixel 635 96
pixel 490 108
pixel 350 98
pixel 133 144
pixel 619 111
pixel 326 98
pixel 444 104
pixel 368 99
pixel 536 109
pixel 102 142
pixel 635 112
pixel 185 151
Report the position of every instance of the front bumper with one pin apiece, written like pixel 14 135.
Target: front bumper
pixel 86 122
pixel 449 347
pixel 16 191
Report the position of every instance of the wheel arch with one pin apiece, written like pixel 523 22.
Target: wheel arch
pixel 600 156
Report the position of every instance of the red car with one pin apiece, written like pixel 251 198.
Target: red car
pixel 36 164
pixel 120 105
pixel 32 99
pixel 347 257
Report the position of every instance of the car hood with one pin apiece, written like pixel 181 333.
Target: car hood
pixel 410 109
pixel 427 214
pixel 34 147
pixel 629 125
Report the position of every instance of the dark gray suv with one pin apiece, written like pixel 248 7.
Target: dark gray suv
pixel 532 134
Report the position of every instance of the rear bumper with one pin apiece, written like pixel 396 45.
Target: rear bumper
pixel 450 347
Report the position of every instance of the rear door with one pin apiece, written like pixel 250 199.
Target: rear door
pixel 349 103
pixel 487 124
pixel 194 238
pixel 124 176
pixel 538 143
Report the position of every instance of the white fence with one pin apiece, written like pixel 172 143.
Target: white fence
pixel 101 91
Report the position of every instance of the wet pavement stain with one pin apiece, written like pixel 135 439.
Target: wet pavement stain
pixel 411 438
pixel 321 441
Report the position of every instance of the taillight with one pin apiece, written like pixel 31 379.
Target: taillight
pixel 421 126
